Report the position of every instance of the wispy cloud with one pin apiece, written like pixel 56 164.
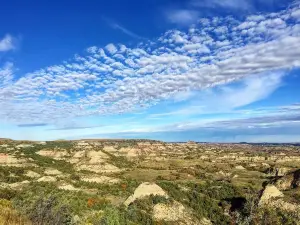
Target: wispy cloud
pixel 252 89
pixel 226 98
pixel 7 43
pixel 276 121
pixel 121 28
pixel 76 127
pixel 182 16
pixel 33 125
pixel 227 4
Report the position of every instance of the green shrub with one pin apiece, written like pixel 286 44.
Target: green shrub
pixel 198 198
pixel 77 202
pixel 7 193
pixel 253 214
pixel 50 212
pixel 11 174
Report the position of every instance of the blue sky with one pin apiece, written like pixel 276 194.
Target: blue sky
pixel 203 70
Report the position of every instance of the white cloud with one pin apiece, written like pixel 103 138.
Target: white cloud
pixel 226 99
pixel 120 79
pixel 230 4
pixel 253 89
pixel 111 48
pixel 196 48
pixel 296 14
pixel 7 43
pixel 255 18
pixel 182 16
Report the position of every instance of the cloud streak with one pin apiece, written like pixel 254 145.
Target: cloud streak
pixel 244 5
pixel 76 127
pixel 121 28
pixel 33 125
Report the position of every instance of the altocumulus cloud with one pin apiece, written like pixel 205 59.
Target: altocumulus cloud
pixel 118 79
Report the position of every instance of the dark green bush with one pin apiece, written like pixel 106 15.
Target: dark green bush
pixel 7 194
pixel 50 212
pixel 198 198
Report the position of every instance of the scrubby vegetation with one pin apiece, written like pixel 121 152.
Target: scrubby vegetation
pixel 88 182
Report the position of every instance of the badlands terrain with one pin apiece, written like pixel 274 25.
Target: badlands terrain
pixel 116 182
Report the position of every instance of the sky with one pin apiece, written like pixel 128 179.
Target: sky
pixel 171 70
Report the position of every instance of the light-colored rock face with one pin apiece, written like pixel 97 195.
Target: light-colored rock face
pixel 4 146
pixel 77 157
pixel 205 221
pixel 170 212
pixel 96 157
pixel 285 183
pixel 239 168
pixel 68 187
pixel 176 213
pixel 97 154
pixel 145 189
pixel 79 154
pixel 109 149
pixel 278 172
pixel 52 172
pixel 24 146
pixel 10 160
pixel 133 153
pixel 47 179
pixel 286 206
pixel 100 179
pixel 104 168
pixel 289 181
pixel 15 186
pixel 253 165
pixel 32 174
pixel 265 165
pixel 55 154
pixel 223 174
pixel 269 193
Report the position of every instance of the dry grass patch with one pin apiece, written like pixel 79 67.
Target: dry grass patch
pixel 148 174
pixel 9 216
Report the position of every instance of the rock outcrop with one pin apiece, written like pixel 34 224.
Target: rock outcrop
pixel 47 179
pixel 289 181
pixel 270 192
pixel 32 174
pixel 100 179
pixel 144 190
pixel 176 213
pixel 169 212
pixel 278 172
